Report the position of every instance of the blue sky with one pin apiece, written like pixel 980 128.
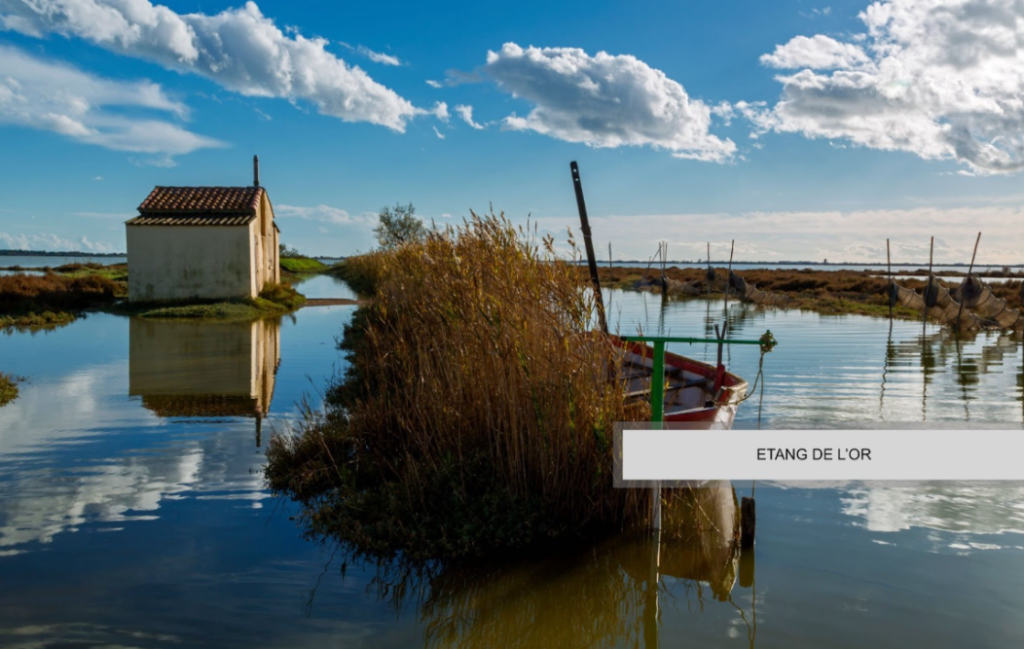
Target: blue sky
pixel 803 130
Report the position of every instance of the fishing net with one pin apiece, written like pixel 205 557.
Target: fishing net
pixel 940 305
pixel 668 286
pixel 675 287
pixel 750 293
pixel 978 296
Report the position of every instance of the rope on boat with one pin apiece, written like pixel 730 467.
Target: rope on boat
pixel 768 343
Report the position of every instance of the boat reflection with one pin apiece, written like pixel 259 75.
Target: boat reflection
pixel 610 594
pixel 204 369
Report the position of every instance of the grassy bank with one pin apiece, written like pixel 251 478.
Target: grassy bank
pixel 836 292
pixel 274 299
pixel 472 420
pixel 8 388
pixel 302 265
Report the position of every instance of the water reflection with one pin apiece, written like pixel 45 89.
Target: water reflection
pixel 612 594
pixel 202 369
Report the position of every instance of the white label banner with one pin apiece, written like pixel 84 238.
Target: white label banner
pixel 669 455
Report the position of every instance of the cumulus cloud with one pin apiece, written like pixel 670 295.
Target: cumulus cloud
pixel 466 113
pixel 604 101
pixel 55 97
pixel 818 53
pixel 240 49
pixel 942 79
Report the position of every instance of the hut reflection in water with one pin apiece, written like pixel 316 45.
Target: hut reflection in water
pixel 203 369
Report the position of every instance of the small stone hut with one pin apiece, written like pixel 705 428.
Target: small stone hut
pixel 203 243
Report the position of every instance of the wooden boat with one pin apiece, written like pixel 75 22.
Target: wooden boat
pixel 695 392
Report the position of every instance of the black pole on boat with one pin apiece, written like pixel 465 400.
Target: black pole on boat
pixel 588 243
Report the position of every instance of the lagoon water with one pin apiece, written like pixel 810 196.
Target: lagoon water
pixel 132 511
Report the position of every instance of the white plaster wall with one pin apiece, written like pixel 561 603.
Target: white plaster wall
pixel 190 262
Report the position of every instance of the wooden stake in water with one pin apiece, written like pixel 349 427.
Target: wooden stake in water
pixel 708 278
pixel 888 262
pixel 969 270
pixel 927 286
pixel 728 276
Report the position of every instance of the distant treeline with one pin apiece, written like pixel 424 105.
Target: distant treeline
pixel 47 253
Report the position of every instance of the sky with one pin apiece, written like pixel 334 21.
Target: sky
pixel 803 129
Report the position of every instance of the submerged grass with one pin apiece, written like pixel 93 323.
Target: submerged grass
pixel 8 388
pixel 477 411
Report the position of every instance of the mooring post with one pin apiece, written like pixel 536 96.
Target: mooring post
pixel 588 243
pixel 748 522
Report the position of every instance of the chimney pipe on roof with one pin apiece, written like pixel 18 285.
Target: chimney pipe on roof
pixel 255 171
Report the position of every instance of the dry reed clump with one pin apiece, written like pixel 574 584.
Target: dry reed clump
pixel 477 411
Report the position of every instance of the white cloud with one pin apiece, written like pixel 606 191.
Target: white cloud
pixel 466 113
pixel 440 111
pixel 378 57
pixel 604 101
pixel 818 52
pixel 434 84
pixel 853 236
pixel 240 49
pixel 322 213
pixel 944 80
pixel 438 133
pixel 55 97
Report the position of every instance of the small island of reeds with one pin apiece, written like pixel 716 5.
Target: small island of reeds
pixel 475 413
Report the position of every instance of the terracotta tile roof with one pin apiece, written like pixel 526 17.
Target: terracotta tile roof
pixel 199 206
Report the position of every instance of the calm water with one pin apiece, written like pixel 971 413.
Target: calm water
pixel 132 512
